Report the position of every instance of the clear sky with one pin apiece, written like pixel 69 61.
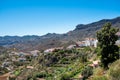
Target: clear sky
pixel 38 17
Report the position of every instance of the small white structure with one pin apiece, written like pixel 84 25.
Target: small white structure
pixel 53 49
pixel 49 50
pixel 96 63
pixel 35 53
pixel 71 46
pixel 29 67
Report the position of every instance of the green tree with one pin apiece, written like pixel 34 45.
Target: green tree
pixel 106 42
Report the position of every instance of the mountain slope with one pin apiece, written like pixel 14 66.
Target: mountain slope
pixel 90 29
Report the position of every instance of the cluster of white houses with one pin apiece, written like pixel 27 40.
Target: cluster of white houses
pixel 86 42
pixel 93 42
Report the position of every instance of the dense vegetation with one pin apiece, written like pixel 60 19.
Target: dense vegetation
pixel 114 71
pixel 61 65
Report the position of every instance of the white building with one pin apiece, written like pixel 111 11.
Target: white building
pixel 95 43
pixel 71 46
pixel 34 53
pixel 88 42
pixel 91 42
pixel 49 50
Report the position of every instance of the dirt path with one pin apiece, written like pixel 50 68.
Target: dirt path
pixel 4 76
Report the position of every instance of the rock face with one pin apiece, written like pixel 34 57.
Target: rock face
pixel 56 40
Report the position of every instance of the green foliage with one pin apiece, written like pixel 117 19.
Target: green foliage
pixel 17 63
pixel 60 65
pixel 100 78
pixel 114 71
pixel 30 78
pixel 12 78
pixel 83 57
pixel 28 58
pixel 87 49
pixel 36 75
pixel 87 71
pixel 71 72
pixel 106 41
pixel 63 57
pixel 65 76
pixel 17 72
pixel 97 50
pixel 42 75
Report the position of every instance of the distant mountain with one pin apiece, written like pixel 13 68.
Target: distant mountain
pixel 49 40
pixel 88 30
pixel 9 40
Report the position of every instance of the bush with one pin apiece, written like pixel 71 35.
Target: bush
pixel 36 75
pixel 65 76
pixel 19 63
pixel 87 71
pixel 100 78
pixel 30 78
pixel 42 75
pixel 12 78
pixel 17 72
pixel 114 71
pixel 84 57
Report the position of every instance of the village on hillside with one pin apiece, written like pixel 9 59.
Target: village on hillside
pixel 16 59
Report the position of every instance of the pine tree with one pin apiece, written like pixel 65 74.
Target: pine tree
pixel 106 42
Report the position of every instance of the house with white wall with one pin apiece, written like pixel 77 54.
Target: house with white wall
pixel 91 42
pixel 88 42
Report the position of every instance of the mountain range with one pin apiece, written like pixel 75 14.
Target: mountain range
pixel 33 42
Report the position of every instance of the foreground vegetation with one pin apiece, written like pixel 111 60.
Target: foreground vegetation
pixel 61 65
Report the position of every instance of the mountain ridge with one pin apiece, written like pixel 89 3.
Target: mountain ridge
pixel 32 42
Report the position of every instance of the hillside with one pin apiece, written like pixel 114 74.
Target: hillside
pixel 64 64
pixel 49 40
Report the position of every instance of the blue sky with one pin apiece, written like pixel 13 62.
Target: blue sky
pixel 38 17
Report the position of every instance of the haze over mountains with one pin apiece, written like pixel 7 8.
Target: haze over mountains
pixel 56 40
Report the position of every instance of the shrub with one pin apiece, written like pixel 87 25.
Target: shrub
pixel 19 63
pixel 84 57
pixel 100 78
pixel 114 71
pixel 17 72
pixel 36 75
pixel 41 75
pixel 65 76
pixel 12 78
pixel 30 77
pixel 87 71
